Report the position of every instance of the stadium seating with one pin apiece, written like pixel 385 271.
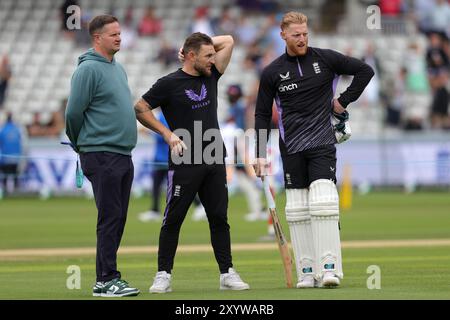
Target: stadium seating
pixel 43 60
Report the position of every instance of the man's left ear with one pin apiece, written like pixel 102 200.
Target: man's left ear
pixel 191 54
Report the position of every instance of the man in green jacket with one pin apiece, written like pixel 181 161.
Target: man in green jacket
pixel 101 125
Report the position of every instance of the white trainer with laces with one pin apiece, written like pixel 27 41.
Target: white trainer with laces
pixel 306 281
pixel 232 281
pixel 161 283
pixel 330 280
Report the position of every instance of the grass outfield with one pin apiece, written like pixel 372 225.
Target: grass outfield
pixel 406 272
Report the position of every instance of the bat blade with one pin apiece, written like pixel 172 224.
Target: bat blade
pixel 283 246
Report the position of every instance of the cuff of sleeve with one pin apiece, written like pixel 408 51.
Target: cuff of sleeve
pixel 343 102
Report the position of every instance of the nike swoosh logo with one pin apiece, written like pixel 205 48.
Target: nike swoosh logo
pixel 114 289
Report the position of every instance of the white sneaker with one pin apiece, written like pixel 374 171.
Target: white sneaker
pixel 149 216
pixel 256 216
pixel 232 281
pixel 161 283
pixel 330 280
pixel 199 213
pixel 306 281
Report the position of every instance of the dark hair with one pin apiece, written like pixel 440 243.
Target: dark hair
pixel 234 90
pixel 98 22
pixel 195 41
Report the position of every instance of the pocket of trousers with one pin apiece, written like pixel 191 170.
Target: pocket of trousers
pixel 89 163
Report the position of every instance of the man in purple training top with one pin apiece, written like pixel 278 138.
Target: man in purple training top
pixel 302 81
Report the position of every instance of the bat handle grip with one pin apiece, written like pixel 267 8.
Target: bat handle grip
pixel 269 197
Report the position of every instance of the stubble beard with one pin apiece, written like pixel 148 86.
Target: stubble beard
pixel 202 70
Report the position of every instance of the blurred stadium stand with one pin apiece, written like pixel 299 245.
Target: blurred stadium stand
pixel 43 59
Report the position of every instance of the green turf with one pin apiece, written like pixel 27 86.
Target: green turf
pixel 71 222
pixel 406 273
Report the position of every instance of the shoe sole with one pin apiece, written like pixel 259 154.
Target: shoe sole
pixel 235 289
pixel 331 283
pixel 128 294
pixel 160 291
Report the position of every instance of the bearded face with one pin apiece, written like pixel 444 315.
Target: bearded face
pixel 204 59
pixel 296 38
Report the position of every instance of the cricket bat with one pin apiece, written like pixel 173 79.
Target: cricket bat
pixel 283 245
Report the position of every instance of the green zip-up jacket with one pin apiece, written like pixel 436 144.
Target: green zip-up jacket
pixel 99 113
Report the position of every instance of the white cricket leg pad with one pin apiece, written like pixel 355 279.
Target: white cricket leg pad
pixel 324 209
pixel 299 221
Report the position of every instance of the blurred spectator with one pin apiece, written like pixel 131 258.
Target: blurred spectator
pixel 5 76
pixel 202 22
pixel 391 8
pixel 413 124
pixel 421 9
pixel 439 17
pixel 64 16
pixel 253 57
pixel 371 93
pixel 414 62
pixel 446 46
pixel 395 96
pixel 438 63
pixel 257 6
pixel 150 25
pixel 415 109
pixel 246 32
pixel 236 107
pixel 250 103
pixel 371 58
pixel 128 34
pixel 53 128
pixel 272 39
pixel 268 6
pixel 10 152
pixel 330 13
pixel 225 23
pixel 159 174
pixel 241 174
pixel 439 109
pixel 35 128
pixel 248 6
pixel 167 55
pixel 82 37
pixel 438 73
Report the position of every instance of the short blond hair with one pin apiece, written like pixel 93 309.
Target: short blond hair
pixel 293 17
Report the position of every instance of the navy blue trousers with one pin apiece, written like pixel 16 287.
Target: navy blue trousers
pixel 111 176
